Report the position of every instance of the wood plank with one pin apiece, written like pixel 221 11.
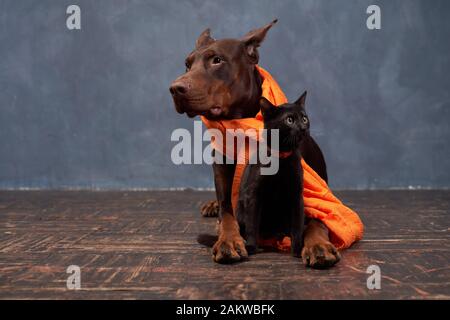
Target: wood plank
pixel 141 245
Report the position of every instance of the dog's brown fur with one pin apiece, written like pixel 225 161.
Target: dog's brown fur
pixel 221 82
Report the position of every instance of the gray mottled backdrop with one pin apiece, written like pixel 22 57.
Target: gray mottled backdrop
pixel 91 108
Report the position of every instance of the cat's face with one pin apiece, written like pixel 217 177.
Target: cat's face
pixel 290 119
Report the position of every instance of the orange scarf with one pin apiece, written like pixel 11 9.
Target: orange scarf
pixel 344 225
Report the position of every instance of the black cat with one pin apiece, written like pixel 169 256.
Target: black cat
pixel 272 205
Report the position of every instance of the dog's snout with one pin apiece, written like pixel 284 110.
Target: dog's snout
pixel 178 89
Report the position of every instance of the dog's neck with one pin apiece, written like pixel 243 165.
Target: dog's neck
pixel 258 81
pixel 249 106
pixel 254 106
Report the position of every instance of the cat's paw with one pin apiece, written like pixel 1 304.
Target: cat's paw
pixel 320 255
pixel 210 209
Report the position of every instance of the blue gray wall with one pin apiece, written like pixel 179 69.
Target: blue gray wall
pixel 91 108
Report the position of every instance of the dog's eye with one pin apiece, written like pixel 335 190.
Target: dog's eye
pixel 304 120
pixel 289 120
pixel 188 67
pixel 217 60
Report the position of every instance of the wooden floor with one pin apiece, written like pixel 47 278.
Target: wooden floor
pixel 141 245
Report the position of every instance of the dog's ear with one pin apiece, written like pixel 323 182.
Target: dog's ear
pixel 267 108
pixel 204 39
pixel 253 40
pixel 301 101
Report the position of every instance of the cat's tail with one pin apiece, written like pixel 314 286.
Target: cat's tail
pixel 207 240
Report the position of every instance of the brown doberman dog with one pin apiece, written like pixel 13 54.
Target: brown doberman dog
pixel 221 82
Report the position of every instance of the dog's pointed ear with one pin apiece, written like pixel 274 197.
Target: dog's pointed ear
pixel 204 39
pixel 253 40
pixel 301 101
pixel 267 108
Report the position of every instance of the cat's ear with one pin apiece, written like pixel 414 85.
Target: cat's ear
pixel 301 101
pixel 267 108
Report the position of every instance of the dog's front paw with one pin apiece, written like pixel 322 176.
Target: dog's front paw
pixel 210 209
pixel 229 249
pixel 320 255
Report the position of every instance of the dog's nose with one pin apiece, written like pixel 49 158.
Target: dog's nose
pixel 178 89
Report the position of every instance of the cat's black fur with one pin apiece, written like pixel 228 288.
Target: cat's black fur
pixel 272 205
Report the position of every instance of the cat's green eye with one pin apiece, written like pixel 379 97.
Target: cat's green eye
pixel 304 120
pixel 289 120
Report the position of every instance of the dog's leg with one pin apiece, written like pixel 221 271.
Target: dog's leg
pixel 318 251
pixel 230 246
pixel 210 208
pixel 297 227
